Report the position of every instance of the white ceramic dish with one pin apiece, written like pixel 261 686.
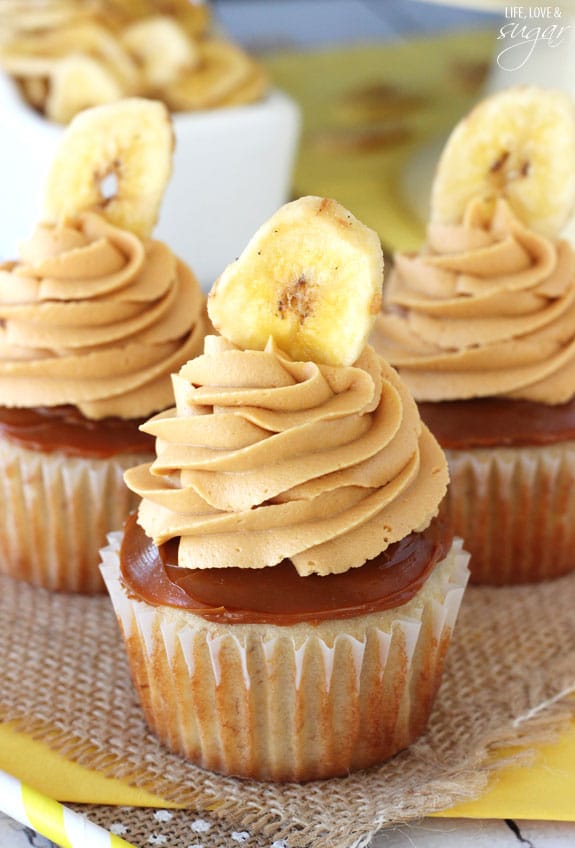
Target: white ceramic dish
pixel 232 169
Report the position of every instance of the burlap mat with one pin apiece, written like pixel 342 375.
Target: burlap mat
pixel 64 679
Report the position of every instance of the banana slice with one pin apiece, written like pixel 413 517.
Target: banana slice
pixel 518 144
pixel 79 82
pixel 85 37
pixel 115 159
pixel 311 278
pixel 96 40
pixel 222 69
pixel 24 63
pixel 163 48
pixel 35 91
pixel 194 16
pixel 252 90
pixel 23 16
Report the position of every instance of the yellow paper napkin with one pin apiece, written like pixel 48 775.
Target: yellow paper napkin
pixel 544 790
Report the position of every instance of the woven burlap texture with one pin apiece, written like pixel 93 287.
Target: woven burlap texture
pixel 64 679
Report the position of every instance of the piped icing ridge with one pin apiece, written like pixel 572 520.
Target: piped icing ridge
pixel 486 309
pixel 265 459
pixel 92 315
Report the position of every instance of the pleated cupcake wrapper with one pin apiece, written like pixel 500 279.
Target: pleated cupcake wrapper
pixel 289 703
pixel 56 513
pixel 515 509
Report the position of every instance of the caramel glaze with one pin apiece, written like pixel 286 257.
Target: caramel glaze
pixel 497 422
pixel 278 595
pixel 65 429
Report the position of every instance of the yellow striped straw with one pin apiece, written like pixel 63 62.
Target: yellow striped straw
pixel 52 819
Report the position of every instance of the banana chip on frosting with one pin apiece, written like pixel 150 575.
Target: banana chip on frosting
pixel 311 277
pixel 129 143
pixel 96 313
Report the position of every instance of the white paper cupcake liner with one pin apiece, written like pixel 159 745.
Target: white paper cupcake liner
pixel 295 702
pixel 56 512
pixel 515 509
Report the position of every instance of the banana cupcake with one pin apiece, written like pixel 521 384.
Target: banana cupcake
pixel 94 316
pixel 287 593
pixel 481 326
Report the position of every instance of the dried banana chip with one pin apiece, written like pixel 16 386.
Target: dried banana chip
pixel 163 49
pixel 130 143
pixel 310 278
pixel 223 69
pixel 148 48
pixel 35 90
pixel 20 16
pixel 193 16
pixel 35 54
pixel 79 82
pixel 251 91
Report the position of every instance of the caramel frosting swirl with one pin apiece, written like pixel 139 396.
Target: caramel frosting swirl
pixel 486 309
pixel 93 316
pixel 265 459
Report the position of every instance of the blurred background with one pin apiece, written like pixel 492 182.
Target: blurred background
pixel 377 85
pixel 381 83
pixel 264 25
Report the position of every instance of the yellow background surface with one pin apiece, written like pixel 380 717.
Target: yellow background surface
pixel 367 110
pixel 544 790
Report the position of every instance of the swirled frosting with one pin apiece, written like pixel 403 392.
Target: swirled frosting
pixel 93 316
pixel 265 459
pixel 486 309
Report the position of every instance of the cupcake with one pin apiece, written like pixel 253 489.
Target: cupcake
pixel 94 316
pixel 481 326
pixel 286 591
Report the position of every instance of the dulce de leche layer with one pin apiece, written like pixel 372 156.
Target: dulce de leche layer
pixel 487 309
pixel 265 459
pixel 66 430
pixel 93 316
pixel 279 595
pixel 495 422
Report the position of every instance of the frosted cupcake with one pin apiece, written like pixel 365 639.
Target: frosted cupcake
pixel 481 325
pixel 94 317
pixel 287 594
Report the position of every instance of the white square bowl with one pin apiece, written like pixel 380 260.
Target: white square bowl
pixel 232 170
